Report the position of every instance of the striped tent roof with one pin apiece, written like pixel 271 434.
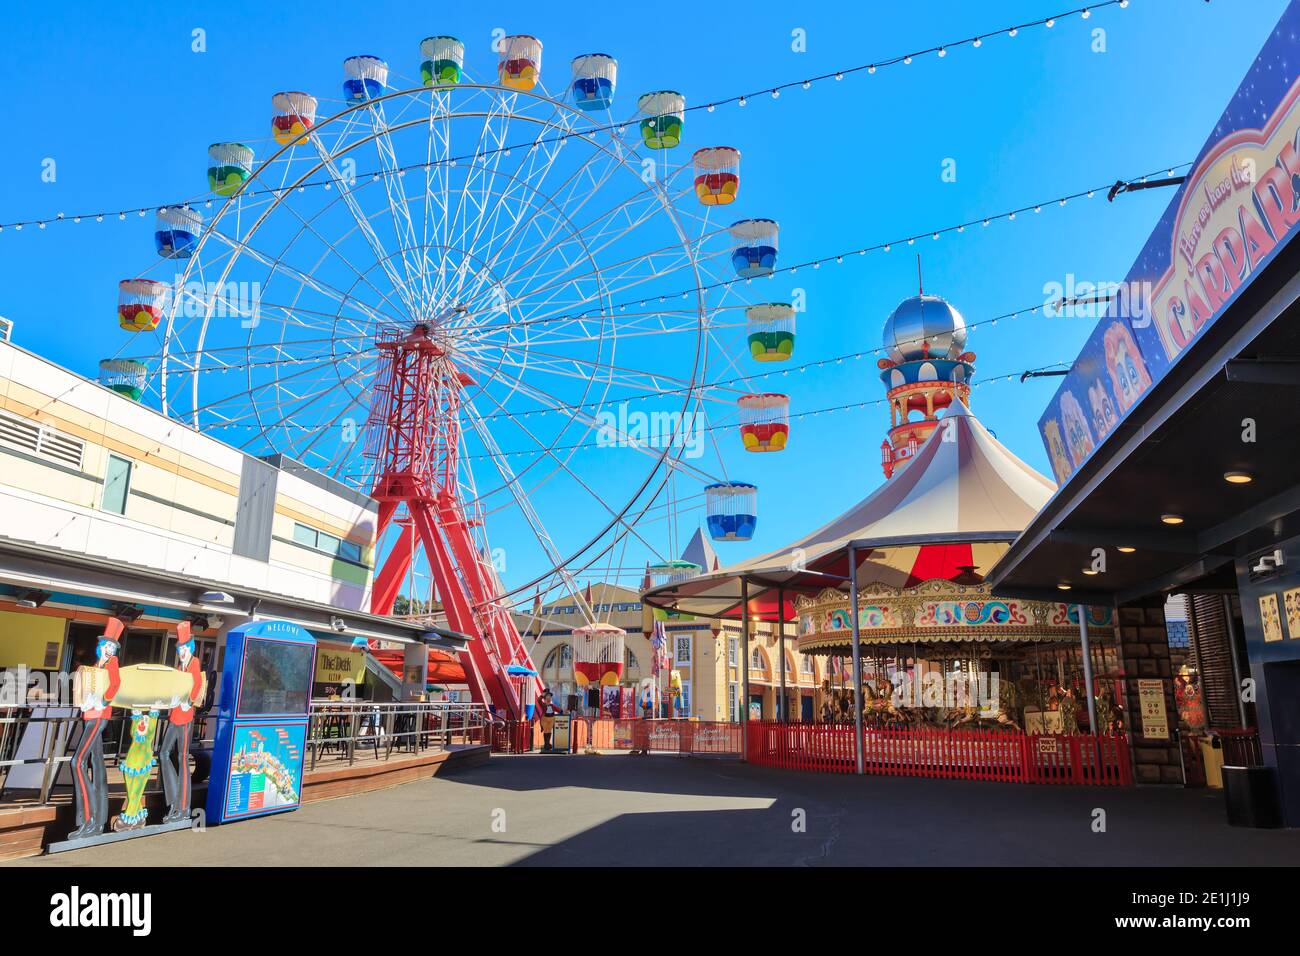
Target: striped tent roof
pixel 959 502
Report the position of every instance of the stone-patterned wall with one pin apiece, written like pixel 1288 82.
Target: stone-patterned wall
pixel 1144 650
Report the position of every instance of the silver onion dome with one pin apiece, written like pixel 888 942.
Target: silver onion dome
pixel 924 319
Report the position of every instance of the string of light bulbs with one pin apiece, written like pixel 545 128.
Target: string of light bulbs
pixel 939 50
pixel 815 264
pixel 792 416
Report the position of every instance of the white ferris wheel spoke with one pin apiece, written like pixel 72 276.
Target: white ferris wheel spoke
pixel 277 264
pixel 346 191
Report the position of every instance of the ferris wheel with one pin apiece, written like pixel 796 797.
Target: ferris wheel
pixel 500 306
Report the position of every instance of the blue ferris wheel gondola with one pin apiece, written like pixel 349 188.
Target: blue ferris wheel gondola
pixel 176 232
pixel 731 509
pixel 594 78
pixel 365 78
pixel 754 247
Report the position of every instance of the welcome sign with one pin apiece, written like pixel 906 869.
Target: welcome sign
pixel 1239 203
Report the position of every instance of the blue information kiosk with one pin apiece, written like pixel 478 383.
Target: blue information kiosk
pixel 257 755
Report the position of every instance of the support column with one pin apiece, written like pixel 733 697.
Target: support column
pixel 857 658
pixel 1144 652
pixel 783 705
pixel 1088 689
pixel 744 666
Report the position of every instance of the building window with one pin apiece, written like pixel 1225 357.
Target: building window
pixel 117 484
pixel 686 698
pixel 683 653
pixel 756 661
pixel 560 658
pixel 327 543
pixel 806 665
pixel 631 661
pixel 733 651
pixel 733 701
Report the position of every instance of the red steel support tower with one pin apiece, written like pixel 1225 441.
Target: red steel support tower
pixel 413 436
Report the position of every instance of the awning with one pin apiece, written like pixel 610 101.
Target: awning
pixel 444 668
pixel 28 565
pixel 1236 382
pixel 1189 377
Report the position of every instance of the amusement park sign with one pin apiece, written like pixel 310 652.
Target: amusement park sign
pixel 1239 202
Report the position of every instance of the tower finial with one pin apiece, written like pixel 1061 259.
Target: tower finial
pixel 920 288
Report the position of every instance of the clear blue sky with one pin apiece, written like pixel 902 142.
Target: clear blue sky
pixel 126 110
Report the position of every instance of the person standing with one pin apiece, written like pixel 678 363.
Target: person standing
pixel 546 712
pixel 174 754
pixel 88 775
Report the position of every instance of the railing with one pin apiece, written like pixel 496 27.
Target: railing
pixel 608 733
pixel 34 744
pixel 1241 747
pixel 339 728
pixel 960 754
pixel 37 744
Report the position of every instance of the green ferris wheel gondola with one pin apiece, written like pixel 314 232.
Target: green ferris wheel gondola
pixel 124 376
pixel 664 118
pixel 771 331
pixel 443 60
pixel 229 167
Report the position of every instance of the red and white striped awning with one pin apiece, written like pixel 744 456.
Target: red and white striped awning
pixel 959 502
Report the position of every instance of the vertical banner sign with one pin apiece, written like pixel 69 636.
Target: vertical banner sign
pixel 1151 700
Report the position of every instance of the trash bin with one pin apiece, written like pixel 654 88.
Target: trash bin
pixel 1251 795
pixel 1212 760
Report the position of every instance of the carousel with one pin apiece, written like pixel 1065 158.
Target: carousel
pixel 944 654
pixel 893 589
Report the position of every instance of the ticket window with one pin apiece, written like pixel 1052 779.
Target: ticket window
pixel 205 649
pixel 82 640
pixel 142 647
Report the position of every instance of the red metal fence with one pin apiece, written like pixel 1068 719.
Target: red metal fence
pixel 607 733
pixel 828 748
pixel 961 754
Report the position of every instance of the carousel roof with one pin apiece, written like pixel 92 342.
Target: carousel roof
pixel 959 503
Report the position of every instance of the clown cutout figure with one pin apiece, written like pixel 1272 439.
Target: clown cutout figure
pixel 1061 466
pixel 88 776
pixel 174 753
pixel 1128 373
pixel 1077 436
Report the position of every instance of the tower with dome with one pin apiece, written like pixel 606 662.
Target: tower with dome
pixel 925 369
